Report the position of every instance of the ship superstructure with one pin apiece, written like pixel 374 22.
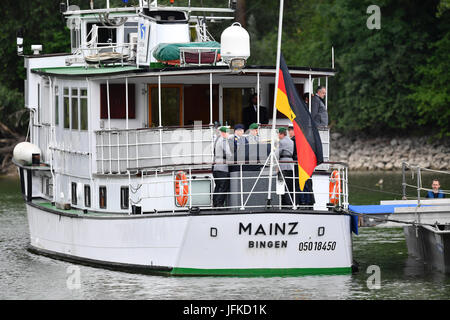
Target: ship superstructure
pixel 126 124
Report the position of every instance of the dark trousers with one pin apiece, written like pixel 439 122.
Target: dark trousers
pixel 302 198
pixel 222 186
pixel 289 178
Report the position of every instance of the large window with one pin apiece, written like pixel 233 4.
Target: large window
pixel 117 101
pixel 75 108
pixel 171 105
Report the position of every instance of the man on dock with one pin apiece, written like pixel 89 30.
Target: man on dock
pixel 436 193
pixel 222 153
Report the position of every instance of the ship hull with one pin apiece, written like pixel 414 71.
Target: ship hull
pixel 220 243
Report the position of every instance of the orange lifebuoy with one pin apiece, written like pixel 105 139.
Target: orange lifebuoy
pixel 335 187
pixel 181 188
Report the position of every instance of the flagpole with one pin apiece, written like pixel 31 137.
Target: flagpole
pixel 274 116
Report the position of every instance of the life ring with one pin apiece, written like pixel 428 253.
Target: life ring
pixel 181 188
pixel 335 187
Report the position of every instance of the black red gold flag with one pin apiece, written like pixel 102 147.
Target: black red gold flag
pixel 307 138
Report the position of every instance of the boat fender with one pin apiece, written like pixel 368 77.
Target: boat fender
pixel 181 188
pixel 335 187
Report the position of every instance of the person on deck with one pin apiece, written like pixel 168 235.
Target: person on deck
pixel 436 193
pixel 250 114
pixel 306 98
pixel 222 152
pixel 253 133
pixel 318 110
pixel 285 153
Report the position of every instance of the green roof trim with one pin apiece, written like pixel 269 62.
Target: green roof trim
pixel 82 71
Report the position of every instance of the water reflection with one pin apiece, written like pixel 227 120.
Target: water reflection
pixel 28 276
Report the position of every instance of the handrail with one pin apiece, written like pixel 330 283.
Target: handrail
pixel 418 169
pixel 241 195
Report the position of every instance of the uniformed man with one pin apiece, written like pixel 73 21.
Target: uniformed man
pixel 222 153
pixel 253 133
pixel 240 143
pixel 285 152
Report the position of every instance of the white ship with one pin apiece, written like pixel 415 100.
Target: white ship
pixel 118 169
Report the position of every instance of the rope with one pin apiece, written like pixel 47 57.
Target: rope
pixel 374 190
pixel 353 213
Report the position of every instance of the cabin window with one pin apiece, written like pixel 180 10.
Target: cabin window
pixel 130 28
pixel 66 109
pixel 234 102
pixel 83 109
pixel 74 193
pixel 74 106
pixel 102 197
pixel 117 101
pixel 56 105
pixel 171 105
pixel 105 37
pixel 124 197
pixel 87 196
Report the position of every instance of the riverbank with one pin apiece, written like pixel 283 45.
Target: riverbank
pixel 387 153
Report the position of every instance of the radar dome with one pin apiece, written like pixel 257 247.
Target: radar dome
pixel 235 43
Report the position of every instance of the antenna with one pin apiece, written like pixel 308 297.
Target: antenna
pixel 20 42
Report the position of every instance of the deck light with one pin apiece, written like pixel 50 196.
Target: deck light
pixel 237 64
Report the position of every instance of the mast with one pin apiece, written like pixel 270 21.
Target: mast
pixel 274 116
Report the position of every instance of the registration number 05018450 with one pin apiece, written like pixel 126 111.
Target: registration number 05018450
pixel 317 245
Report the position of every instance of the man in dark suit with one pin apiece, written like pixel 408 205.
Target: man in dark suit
pixel 250 114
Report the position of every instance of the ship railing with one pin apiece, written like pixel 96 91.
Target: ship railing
pixel 199 56
pixel 248 189
pixel 120 150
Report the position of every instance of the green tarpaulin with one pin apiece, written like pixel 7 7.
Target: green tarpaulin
pixel 171 51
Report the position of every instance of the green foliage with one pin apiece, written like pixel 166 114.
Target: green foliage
pixel 433 95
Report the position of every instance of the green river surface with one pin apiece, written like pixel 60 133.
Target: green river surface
pixel 28 276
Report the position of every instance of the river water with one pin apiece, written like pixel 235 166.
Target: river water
pixel 24 275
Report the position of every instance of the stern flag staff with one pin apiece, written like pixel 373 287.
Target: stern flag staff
pixel 307 138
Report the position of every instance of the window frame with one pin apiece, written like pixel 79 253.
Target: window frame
pixel 87 196
pixel 124 200
pixel 105 206
pixel 73 193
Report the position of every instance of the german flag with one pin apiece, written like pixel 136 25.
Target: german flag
pixel 307 138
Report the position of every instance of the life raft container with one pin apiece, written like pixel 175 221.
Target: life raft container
pixel 335 187
pixel 181 188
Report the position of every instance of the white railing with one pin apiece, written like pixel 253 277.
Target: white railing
pixel 120 151
pixel 247 189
